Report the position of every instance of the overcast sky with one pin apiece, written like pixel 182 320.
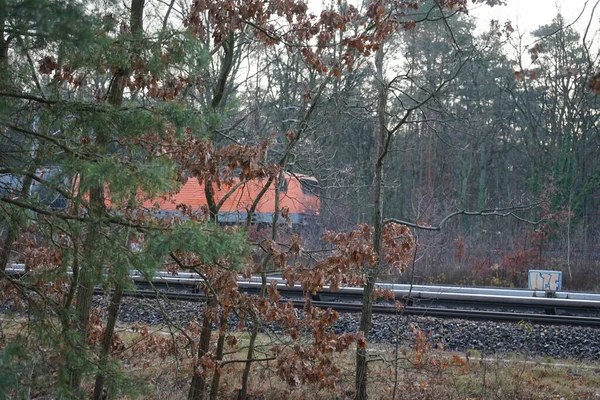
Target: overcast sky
pixel 527 15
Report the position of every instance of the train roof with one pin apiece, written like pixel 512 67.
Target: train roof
pixel 296 198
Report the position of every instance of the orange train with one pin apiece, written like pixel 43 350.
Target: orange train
pixel 297 193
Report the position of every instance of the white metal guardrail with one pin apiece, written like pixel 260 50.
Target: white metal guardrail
pixel 517 297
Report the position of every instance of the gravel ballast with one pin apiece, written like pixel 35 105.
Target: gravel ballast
pixel 488 338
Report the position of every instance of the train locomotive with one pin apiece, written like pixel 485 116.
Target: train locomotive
pixel 297 194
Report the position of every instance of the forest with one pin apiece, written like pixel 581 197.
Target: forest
pixel 443 152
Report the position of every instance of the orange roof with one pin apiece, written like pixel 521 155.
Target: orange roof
pixel 298 201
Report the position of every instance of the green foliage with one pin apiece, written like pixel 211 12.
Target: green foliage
pixel 51 21
pixel 208 242
pixel 63 61
pixel 123 383
pixel 11 367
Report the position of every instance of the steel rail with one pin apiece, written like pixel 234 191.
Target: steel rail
pixel 436 294
pixel 392 309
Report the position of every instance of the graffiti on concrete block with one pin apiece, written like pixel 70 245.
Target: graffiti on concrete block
pixel 545 280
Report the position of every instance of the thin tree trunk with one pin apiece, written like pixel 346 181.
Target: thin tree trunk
pixel 263 291
pixel 250 356
pixel 74 276
pixel 361 353
pixel 216 381
pixel 113 311
pixel 255 325
pixel 11 236
pixel 209 193
pixel 569 238
pixel 372 273
pixel 93 263
pixel 90 271
pixel 482 178
pixel 198 384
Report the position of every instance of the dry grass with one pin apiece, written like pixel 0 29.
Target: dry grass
pixel 412 374
pixel 424 374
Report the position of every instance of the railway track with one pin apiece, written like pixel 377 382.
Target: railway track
pixel 378 308
pixel 491 304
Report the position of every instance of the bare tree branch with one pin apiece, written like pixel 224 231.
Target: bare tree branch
pixel 498 212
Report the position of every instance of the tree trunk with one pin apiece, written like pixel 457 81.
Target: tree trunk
pixel 249 357
pixel 481 196
pixel 89 274
pixel 216 381
pixel 11 236
pixel 372 273
pixel 361 353
pixel 263 291
pixel 113 312
pixel 198 384
pixel 93 264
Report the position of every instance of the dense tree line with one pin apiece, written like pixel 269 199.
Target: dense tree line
pixel 516 124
